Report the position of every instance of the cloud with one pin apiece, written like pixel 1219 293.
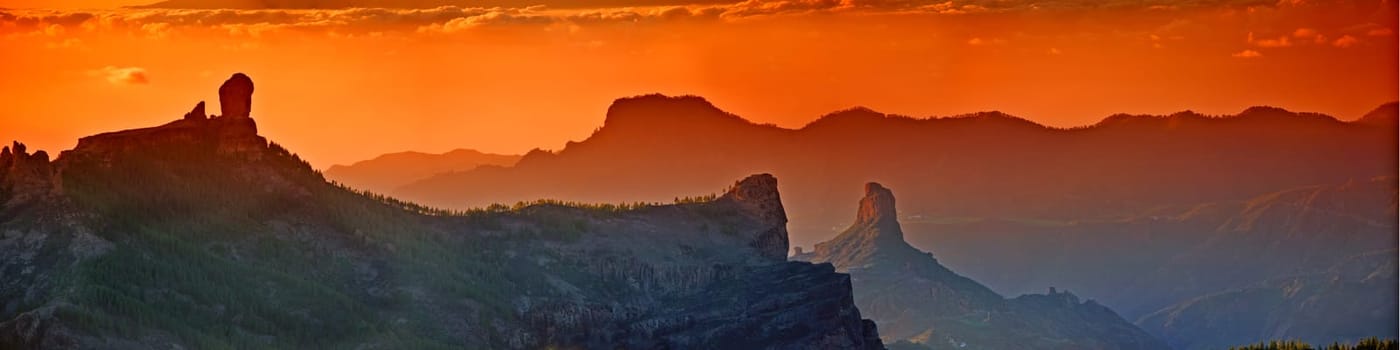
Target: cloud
pixel 1310 34
pixel 984 42
pixel 1346 41
pixel 1380 32
pixel 1247 54
pixel 1282 41
pixel 123 75
pixel 402 16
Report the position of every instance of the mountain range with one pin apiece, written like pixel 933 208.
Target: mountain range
pixel 1183 206
pixel 1206 232
pixel 387 172
pixel 202 234
pixel 984 165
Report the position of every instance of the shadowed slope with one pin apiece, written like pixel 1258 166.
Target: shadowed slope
pixel 912 297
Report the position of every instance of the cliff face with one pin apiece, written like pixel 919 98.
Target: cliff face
pixel 700 275
pixel 913 298
pixel 25 177
pixel 42 237
pixel 201 234
pixel 225 136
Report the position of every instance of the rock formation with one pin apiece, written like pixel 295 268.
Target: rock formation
pixel 233 134
pixel 25 177
pixel 197 113
pixel 758 197
pixel 876 234
pixel 912 297
pixel 236 96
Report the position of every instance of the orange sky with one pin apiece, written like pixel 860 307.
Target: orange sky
pixel 343 85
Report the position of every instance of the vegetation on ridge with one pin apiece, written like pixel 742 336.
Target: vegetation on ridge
pixel 1371 343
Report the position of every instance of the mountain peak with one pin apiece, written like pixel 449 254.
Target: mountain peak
pixel 760 193
pixel 235 96
pixel 657 112
pixel 233 133
pixel 1384 115
pixel 876 234
pixel 877 205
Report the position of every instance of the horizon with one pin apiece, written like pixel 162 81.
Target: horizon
pixel 489 79
pixel 375 156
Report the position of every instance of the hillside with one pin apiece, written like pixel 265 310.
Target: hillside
pixel 201 234
pixel 1173 254
pixel 1353 300
pixel 915 299
pixel 385 173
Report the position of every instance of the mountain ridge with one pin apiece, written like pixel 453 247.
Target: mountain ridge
pixel 202 234
pixel 651 146
pixel 385 172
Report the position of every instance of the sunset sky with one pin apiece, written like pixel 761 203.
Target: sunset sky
pixel 343 84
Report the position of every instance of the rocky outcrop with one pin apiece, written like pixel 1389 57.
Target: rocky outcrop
pixel 25 177
pixel 757 197
pixel 197 113
pixel 232 134
pixel 236 96
pixel 875 235
pixel 876 206
pixel 715 277
pixel 912 297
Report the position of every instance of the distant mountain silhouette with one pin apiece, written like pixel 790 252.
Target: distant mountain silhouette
pixel 914 298
pixel 387 172
pixel 984 165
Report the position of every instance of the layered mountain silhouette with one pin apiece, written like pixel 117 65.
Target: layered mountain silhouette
pixel 201 234
pixel 387 172
pixel 1138 212
pixel 916 300
pixel 985 165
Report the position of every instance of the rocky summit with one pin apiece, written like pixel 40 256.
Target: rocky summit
pixel 201 234
pixel 236 96
pixel 919 303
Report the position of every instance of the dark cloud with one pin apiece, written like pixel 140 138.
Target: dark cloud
pixel 420 4
pixel 403 17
